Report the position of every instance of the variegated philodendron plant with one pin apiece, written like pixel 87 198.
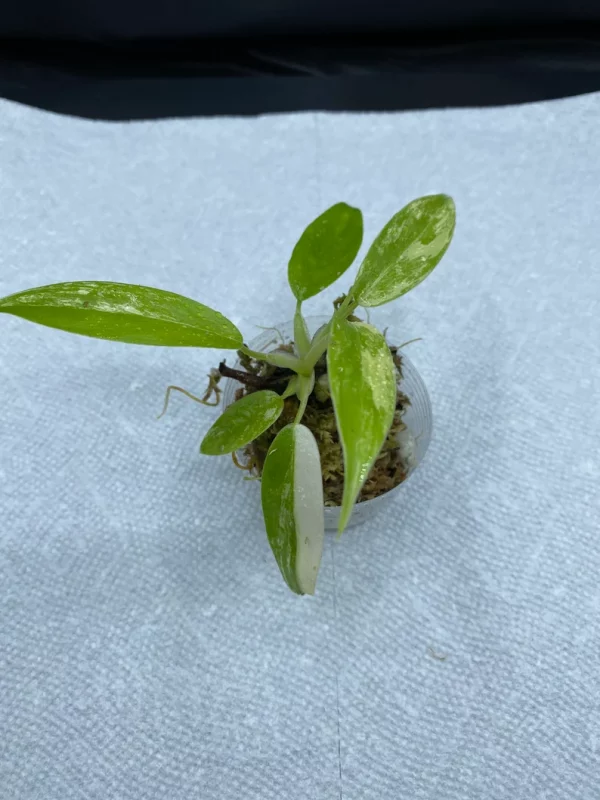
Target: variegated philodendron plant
pixel 361 372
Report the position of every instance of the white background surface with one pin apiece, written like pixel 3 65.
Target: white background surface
pixel 148 647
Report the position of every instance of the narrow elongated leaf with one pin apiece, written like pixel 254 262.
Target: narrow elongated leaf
pixel 325 250
pixel 301 334
pixel 406 251
pixel 242 422
pixel 124 312
pixel 362 379
pixel 292 501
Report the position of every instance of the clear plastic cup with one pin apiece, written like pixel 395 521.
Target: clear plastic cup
pixel 417 418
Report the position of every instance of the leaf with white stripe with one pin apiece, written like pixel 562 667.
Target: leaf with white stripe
pixel 292 501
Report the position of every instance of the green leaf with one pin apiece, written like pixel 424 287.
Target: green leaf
pixel 292 501
pixel 301 334
pixel 325 250
pixel 242 422
pixel 362 378
pixel 124 312
pixel 406 251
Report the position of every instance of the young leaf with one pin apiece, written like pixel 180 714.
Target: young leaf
pixel 301 334
pixel 325 250
pixel 362 379
pixel 242 422
pixel 292 501
pixel 124 312
pixel 406 250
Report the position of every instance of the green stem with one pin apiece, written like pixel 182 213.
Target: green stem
pixel 301 335
pixel 304 388
pixel 348 306
pixel 321 342
pixel 305 365
pixel 284 360
pixel 317 348
pixel 291 388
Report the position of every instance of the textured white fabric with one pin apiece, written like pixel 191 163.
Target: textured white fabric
pixel 148 647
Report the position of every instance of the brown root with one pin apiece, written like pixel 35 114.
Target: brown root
pixel 213 388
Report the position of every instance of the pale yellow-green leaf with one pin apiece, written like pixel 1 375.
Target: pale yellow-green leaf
pixel 362 380
pixel 242 422
pixel 292 501
pixel 301 334
pixel 406 251
pixel 124 312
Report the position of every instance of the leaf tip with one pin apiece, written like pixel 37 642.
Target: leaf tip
pixel 344 519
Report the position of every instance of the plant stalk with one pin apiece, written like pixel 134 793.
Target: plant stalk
pixel 248 379
pixel 303 390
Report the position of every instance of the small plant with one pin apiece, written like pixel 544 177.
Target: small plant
pixel 358 369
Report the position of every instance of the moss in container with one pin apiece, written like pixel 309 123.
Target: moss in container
pixel 391 466
pixel 410 446
pixel 319 418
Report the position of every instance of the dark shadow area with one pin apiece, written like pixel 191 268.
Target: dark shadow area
pixel 144 79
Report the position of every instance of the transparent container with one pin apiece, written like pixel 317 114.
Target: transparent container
pixel 417 418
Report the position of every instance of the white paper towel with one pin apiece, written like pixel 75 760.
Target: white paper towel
pixel 148 647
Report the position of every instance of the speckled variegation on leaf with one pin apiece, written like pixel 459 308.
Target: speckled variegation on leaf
pixel 319 416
